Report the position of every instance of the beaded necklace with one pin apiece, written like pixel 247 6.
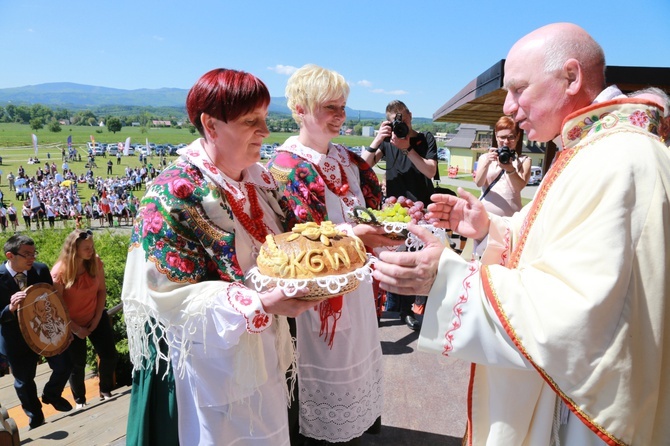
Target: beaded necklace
pixel 341 190
pixel 253 224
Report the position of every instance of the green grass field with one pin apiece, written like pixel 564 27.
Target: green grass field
pixel 20 136
pixel 16 148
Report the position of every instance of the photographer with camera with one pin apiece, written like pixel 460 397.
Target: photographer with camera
pixel 411 164
pixel 502 173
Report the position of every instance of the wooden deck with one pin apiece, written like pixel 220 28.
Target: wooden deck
pixel 424 401
pixel 99 423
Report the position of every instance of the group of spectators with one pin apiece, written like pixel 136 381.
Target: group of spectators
pixel 51 195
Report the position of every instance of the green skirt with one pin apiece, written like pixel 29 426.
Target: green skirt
pixel 152 416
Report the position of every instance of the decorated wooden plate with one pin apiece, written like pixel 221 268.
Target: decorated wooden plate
pixel 44 320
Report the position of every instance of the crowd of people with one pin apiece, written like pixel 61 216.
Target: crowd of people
pixel 51 194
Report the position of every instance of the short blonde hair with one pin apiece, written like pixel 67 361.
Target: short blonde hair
pixel 311 86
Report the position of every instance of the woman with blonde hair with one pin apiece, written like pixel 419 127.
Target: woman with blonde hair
pixel 79 278
pixel 339 353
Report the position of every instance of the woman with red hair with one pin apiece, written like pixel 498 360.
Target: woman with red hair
pixel 199 228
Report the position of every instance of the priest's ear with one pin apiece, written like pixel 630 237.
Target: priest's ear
pixel 573 74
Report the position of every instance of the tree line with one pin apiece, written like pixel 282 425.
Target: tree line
pixel 39 116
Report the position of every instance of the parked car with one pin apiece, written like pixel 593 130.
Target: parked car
pixel 267 151
pixel 535 175
pixel 355 149
pixel 112 149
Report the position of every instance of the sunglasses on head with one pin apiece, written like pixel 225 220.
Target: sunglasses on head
pixel 85 234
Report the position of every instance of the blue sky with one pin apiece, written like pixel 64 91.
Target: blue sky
pixel 421 52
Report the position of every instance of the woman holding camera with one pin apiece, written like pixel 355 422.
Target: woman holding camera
pixel 502 173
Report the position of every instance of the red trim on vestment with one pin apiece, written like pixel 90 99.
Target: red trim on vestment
pixel 502 317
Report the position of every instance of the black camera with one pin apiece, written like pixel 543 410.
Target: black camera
pixel 505 155
pixel 398 127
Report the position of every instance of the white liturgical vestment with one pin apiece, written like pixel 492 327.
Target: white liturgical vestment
pixel 565 320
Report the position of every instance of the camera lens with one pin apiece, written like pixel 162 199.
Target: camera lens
pixel 400 129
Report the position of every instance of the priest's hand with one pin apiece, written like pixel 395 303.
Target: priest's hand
pixel 410 272
pixel 464 214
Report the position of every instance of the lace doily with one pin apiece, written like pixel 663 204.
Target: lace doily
pixel 320 287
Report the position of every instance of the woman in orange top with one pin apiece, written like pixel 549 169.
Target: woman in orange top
pixel 79 278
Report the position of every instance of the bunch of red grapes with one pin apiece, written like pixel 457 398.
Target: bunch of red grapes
pixel 402 210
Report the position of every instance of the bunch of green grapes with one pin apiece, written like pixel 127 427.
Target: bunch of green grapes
pixel 392 213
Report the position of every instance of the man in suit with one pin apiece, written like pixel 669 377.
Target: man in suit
pixel 19 272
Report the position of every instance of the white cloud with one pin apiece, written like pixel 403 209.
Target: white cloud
pixel 30 30
pixel 283 69
pixel 364 83
pixel 391 92
pixel 159 38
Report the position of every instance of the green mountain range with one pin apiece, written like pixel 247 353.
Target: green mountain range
pixel 78 97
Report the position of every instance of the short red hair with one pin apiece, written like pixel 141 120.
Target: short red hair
pixel 226 95
pixel 507 123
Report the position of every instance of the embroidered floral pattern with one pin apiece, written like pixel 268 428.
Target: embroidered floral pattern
pixel 458 309
pixel 646 118
pixel 621 117
pixel 247 303
pixel 507 239
pixel 304 196
pixel 176 234
pixel 639 118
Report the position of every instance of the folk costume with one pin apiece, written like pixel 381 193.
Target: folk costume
pixel 339 352
pixel 564 319
pixel 196 234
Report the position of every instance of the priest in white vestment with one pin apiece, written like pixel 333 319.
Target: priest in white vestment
pixel 564 318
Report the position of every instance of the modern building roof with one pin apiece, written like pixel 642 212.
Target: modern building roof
pixel 465 135
pixel 481 100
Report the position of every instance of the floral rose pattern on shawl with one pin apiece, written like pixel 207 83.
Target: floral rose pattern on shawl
pixel 304 192
pixel 176 234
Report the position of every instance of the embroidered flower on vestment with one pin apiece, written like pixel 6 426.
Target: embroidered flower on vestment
pixel 574 133
pixel 639 118
pixel 242 298
pixel 266 178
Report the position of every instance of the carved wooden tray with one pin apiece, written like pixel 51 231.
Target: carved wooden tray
pixel 44 320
